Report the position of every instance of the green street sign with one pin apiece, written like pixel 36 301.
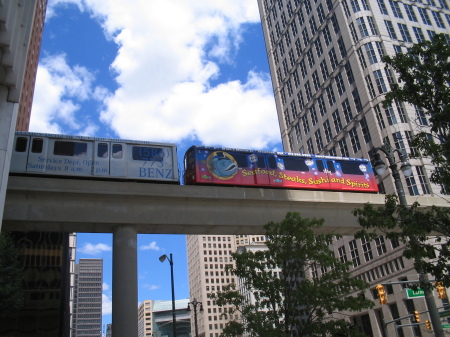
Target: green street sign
pixel 446 326
pixel 445 313
pixel 411 293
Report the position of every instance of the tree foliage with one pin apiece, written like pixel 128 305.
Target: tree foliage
pixel 287 297
pixel 425 233
pixel 10 276
pixel 423 81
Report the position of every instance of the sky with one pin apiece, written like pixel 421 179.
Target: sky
pixel 189 72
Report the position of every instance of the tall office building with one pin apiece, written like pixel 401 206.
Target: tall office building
pixel 329 83
pixel 26 95
pixel 208 256
pixel 87 301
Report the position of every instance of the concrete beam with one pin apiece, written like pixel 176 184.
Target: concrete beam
pixel 74 205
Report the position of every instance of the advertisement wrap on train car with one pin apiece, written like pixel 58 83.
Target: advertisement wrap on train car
pixel 283 170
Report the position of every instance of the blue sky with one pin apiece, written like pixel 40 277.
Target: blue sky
pixel 182 71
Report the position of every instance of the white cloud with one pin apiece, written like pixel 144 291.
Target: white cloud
pixel 168 54
pixel 60 90
pixel 151 246
pixel 150 286
pixel 91 249
pixel 105 286
pixel 106 304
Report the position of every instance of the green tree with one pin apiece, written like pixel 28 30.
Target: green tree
pixel 10 276
pixel 288 294
pixel 423 81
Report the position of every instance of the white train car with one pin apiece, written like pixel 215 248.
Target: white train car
pixel 61 155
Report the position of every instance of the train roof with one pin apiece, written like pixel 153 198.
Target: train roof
pixel 74 137
pixel 305 155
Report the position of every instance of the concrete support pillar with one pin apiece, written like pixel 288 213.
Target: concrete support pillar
pixel 124 283
pixel 8 117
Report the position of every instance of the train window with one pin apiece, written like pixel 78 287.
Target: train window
pixel 272 162
pixel 117 151
pixel 102 150
pixel 320 166
pixel 21 144
pixel 64 148
pixel 330 165
pixel 147 153
pixel 261 163
pixel 36 145
pixel 295 164
pixel 351 168
pixel 241 159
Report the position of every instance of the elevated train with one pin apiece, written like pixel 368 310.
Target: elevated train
pixel 104 158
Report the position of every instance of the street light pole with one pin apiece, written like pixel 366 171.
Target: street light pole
pixel 174 321
pixel 389 151
pixel 194 304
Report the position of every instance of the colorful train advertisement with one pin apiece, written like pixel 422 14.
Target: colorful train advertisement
pixel 273 169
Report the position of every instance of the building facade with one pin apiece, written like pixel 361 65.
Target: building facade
pixel 329 84
pixel 208 256
pixel 155 318
pixel 87 301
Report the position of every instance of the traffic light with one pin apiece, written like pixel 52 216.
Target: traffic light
pixel 441 290
pixel 428 325
pixel 381 294
pixel 417 316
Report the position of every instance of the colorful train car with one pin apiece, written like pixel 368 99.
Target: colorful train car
pixel 61 155
pixel 222 166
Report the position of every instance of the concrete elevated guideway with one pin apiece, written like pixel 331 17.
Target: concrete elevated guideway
pixel 129 208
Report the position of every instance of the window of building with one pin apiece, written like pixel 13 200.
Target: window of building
pixel 412 185
pixel 379 80
pixel 410 12
pixel 380 118
pixel 381 246
pixel 327 130
pixel 424 15
pixel 347 111
pixel 337 121
pixel 370 86
pixel 342 254
pixel 343 148
pixel 330 94
pixel 396 9
pixel 305 124
pixel 390 29
pixel 309 145
pixel 319 142
pixel 349 72
pixel 354 253
pixel 333 59
pixel 390 115
pixel 372 56
pixel 354 139
pixel 367 249
pixel 382 7
pixel 362 27
pixel 340 84
pixel 419 34
pixel 322 107
pixel 365 130
pixel 423 180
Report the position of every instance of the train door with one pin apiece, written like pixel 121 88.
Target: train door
pixel 329 170
pixel 118 163
pixel 37 160
pixel 100 161
pixel 20 154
